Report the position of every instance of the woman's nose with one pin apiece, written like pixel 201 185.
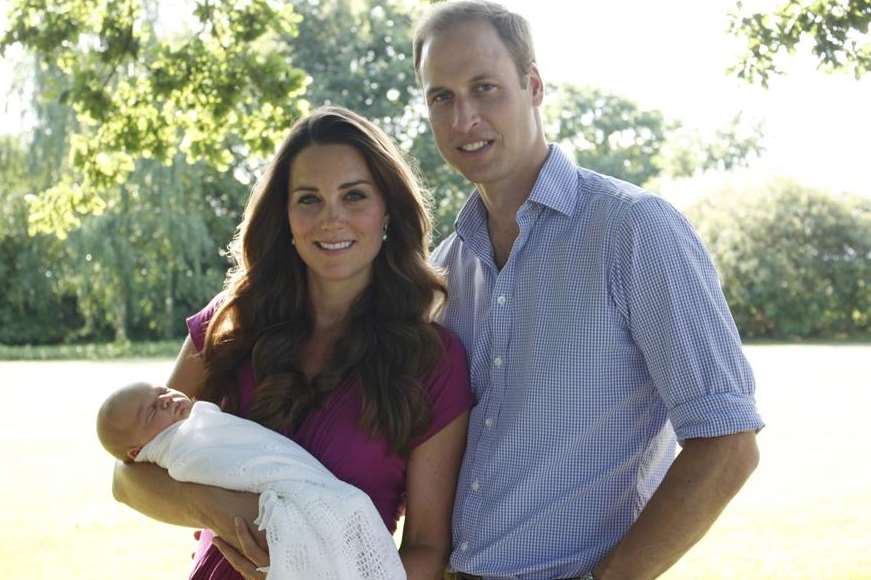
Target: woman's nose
pixel 333 217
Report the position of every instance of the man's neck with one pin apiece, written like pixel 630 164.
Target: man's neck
pixel 503 199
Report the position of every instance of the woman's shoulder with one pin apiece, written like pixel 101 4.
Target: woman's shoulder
pixel 452 368
pixel 198 322
pixel 453 346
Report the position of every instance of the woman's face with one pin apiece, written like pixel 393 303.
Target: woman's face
pixel 336 214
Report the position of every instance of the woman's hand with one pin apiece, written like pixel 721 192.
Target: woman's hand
pixel 254 554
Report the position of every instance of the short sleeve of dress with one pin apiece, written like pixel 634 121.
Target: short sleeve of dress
pixel 448 387
pixel 199 322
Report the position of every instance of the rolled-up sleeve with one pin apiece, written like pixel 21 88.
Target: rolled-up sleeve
pixel 670 295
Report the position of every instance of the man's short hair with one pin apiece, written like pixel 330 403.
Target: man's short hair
pixel 513 29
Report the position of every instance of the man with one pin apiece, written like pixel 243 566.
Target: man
pixel 597 332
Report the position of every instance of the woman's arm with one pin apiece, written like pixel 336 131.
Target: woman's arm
pixel 431 482
pixel 189 373
pixel 150 490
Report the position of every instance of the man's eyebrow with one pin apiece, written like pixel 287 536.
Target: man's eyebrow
pixel 433 90
pixel 484 76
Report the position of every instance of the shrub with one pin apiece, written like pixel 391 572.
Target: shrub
pixel 794 262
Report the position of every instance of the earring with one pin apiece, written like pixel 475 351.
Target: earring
pixel 384 232
pixel 292 242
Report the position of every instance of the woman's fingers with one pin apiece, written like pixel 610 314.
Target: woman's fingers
pixel 253 544
pixel 243 565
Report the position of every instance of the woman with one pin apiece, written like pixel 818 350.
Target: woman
pixel 324 333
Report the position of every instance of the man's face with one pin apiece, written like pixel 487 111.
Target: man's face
pixel 483 117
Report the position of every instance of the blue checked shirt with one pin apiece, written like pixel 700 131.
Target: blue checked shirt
pixel 603 335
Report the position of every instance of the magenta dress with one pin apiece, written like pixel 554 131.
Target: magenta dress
pixel 332 435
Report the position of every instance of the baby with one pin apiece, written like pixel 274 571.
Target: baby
pixel 134 415
pixel 317 526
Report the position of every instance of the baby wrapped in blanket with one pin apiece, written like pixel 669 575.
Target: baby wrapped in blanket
pixel 316 525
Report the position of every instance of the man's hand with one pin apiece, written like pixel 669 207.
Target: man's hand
pixel 254 553
pixel 705 476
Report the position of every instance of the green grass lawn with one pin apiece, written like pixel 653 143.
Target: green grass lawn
pixel 804 513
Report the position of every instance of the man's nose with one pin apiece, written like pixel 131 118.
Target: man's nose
pixel 465 116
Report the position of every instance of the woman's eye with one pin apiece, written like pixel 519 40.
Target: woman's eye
pixel 307 199
pixel 355 195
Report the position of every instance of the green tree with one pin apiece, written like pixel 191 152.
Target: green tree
pixel 226 88
pixel 794 262
pixel 837 29
pixel 130 272
pixel 687 152
pixel 606 133
pixel 152 256
pixel 34 307
pixel 610 134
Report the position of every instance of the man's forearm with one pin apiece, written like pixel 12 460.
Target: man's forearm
pixel 706 474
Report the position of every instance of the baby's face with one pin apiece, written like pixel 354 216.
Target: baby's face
pixel 150 409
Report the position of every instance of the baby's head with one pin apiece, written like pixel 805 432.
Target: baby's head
pixel 134 415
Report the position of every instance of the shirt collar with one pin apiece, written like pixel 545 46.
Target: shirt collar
pixel 556 187
pixel 557 183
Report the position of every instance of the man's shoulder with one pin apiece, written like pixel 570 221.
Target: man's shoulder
pixel 444 252
pixel 608 189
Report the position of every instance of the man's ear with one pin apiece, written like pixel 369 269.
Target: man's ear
pixel 133 452
pixel 536 85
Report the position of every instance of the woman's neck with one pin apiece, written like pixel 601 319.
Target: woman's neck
pixel 331 304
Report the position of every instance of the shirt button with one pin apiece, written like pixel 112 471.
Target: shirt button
pixel 464 546
pixel 501 301
pixel 488 422
pixel 497 361
pixel 475 485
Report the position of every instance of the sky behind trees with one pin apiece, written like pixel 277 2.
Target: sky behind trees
pixel 672 55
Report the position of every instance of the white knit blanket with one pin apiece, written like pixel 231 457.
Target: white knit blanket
pixel 316 525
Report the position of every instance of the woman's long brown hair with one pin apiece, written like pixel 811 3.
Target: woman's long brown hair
pixel 390 344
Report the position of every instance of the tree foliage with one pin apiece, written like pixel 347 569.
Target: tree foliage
pixel 794 262
pixel 607 133
pixel 836 29
pixel 226 88
pixel 612 135
pixel 147 143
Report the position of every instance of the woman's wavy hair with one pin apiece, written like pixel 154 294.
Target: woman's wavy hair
pixel 390 343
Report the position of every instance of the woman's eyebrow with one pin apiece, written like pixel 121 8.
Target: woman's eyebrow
pixel 348 184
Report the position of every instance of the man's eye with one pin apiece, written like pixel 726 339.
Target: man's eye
pixel 438 98
pixel 486 87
